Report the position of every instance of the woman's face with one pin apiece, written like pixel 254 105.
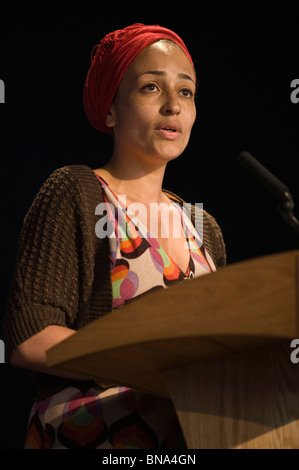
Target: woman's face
pixel 153 112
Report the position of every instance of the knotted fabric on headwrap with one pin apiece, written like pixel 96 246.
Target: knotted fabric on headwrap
pixel 110 60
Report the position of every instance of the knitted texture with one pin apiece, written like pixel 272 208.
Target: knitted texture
pixel 62 273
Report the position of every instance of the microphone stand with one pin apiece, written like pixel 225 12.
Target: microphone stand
pixel 285 209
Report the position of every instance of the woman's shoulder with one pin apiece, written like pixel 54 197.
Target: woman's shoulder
pixel 68 192
pixel 68 182
pixel 71 174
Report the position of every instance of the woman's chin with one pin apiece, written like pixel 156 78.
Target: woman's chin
pixel 168 152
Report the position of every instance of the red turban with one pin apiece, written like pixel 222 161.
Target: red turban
pixel 109 61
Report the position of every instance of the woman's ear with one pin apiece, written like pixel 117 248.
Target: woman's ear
pixel 110 118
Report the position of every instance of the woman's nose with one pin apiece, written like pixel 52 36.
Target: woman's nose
pixel 171 104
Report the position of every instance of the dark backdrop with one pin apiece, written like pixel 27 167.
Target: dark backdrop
pixel 246 57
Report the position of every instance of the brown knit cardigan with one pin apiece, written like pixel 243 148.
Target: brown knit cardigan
pixel 62 273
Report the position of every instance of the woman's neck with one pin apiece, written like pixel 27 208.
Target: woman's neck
pixel 136 181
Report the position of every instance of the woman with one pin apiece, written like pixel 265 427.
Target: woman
pixel 140 89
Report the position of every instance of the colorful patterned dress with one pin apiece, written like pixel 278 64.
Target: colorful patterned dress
pixel 120 417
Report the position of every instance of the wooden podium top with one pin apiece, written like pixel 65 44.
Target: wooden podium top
pixel 245 305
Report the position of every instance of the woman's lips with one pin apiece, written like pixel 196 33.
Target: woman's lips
pixel 167 134
pixel 169 130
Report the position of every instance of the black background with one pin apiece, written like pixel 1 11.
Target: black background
pixel 246 56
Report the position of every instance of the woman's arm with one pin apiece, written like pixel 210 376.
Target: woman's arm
pixel 53 273
pixel 31 354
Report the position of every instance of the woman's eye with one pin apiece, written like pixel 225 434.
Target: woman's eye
pixel 150 87
pixel 187 93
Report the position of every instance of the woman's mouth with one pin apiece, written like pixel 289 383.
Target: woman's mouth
pixel 169 130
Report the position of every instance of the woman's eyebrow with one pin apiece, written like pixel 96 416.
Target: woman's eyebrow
pixel 185 76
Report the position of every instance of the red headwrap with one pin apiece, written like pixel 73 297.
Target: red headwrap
pixel 110 60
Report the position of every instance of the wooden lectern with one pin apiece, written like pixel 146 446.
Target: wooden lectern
pixel 217 345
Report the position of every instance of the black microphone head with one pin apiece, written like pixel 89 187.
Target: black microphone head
pixel 273 184
pixel 280 190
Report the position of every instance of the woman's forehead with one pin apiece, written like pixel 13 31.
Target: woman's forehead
pixel 161 56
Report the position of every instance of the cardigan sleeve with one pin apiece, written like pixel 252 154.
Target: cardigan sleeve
pixel 54 262
pixel 213 240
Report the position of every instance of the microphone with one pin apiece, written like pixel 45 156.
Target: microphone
pixel 274 185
